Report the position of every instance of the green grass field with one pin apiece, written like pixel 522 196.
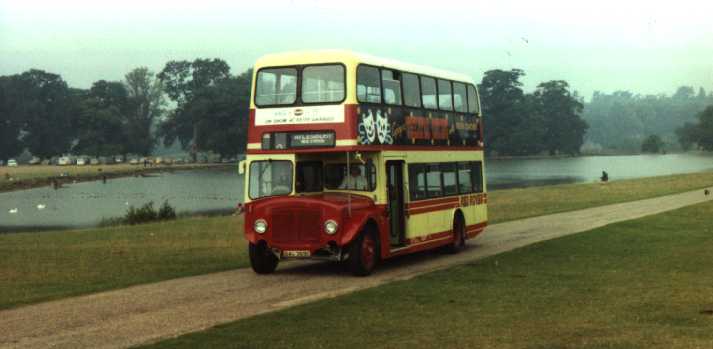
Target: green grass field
pixel 646 283
pixel 43 266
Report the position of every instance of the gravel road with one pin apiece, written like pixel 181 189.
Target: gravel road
pixel 150 312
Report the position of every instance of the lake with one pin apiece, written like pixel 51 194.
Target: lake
pixel 85 204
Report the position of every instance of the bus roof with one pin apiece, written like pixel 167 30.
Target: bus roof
pixel 351 57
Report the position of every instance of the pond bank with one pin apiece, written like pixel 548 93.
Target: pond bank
pixel 28 177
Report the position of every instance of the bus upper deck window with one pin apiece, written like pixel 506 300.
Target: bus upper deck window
pixel 323 83
pixel 276 86
pixel 459 97
pixel 368 84
pixel 428 92
pixel 412 92
pixel 391 86
pixel 445 98
pixel 473 106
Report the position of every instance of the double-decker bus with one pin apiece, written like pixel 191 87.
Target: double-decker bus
pixel 357 159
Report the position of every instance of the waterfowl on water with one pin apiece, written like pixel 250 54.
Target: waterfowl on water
pixel 13 210
pixel 41 206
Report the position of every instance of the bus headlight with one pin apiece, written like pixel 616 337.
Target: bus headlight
pixel 260 226
pixel 330 227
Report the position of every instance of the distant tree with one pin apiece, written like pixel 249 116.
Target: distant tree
pixel 10 124
pixel 46 108
pixel 622 120
pixel 193 86
pixel 229 115
pixel 704 135
pixel 145 103
pixel 687 136
pixel 701 93
pixel 512 126
pixel 684 92
pixel 652 144
pixel 561 109
pixel 102 120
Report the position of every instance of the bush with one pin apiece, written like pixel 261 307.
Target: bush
pixel 147 213
pixel 144 214
pixel 166 212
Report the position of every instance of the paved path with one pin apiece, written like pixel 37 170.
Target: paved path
pixel 150 312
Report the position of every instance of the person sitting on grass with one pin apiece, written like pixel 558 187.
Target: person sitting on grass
pixel 604 177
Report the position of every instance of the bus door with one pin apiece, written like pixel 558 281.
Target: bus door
pixel 395 205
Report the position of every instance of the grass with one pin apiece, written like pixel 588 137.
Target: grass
pixel 23 177
pixel 637 284
pixel 511 204
pixel 36 267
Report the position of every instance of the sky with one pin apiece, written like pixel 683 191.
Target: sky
pixel 602 45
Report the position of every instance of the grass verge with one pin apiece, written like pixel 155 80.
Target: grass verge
pixel 42 266
pixel 638 284
pixel 511 204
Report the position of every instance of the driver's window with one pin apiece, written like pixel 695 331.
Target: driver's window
pixel 309 177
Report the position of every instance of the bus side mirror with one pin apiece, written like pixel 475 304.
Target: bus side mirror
pixel 241 167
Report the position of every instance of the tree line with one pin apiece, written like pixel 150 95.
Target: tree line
pixel 209 109
pixel 547 120
pixel 41 113
pixel 626 122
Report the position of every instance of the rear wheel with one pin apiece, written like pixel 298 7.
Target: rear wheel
pixel 262 260
pixel 459 237
pixel 363 254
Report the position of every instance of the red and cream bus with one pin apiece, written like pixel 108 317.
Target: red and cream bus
pixel 358 159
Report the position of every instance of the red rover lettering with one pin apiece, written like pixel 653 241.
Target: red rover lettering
pixel 475 199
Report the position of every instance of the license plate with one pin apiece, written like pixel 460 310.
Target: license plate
pixel 295 253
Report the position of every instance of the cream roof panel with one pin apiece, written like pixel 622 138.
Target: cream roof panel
pixel 352 58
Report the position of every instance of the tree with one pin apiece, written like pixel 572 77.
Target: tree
pixel 46 108
pixel 10 124
pixel 704 136
pixel 652 144
pixel 145 102
pixel 511 127
pixel 561 109
pixel 687 136
pixel 193 86
pixel 102 120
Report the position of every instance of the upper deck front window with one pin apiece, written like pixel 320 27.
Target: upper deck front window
pixel 323 83
pixel 276 86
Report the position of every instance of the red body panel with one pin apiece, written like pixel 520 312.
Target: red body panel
pixel 297 222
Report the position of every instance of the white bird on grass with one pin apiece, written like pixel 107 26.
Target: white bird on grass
pixel 13 210
pixel 41 206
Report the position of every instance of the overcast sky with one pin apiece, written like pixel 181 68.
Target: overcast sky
pixel 600 45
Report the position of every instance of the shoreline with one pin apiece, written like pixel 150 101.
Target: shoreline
pixel 102 172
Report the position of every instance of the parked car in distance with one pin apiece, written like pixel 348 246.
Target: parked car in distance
pixel 64 161
pixel 94 161
pixel 81 161
pixel 118 159
pixel 12 163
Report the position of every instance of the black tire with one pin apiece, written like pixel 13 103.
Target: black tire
pixel 262 260
pixel 363 254
pixel 459 237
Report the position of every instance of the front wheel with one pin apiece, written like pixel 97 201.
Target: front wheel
pixel 363 254
pixel 262 260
